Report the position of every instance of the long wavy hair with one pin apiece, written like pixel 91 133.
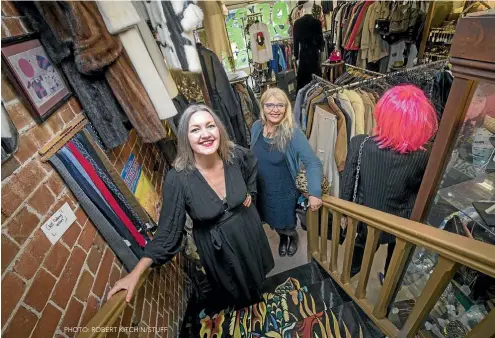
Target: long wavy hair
pixel 185 159
pixel 284 131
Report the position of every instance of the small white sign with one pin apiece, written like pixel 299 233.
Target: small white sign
pixel 58 224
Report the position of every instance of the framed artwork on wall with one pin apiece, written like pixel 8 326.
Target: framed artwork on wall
pixel 39 82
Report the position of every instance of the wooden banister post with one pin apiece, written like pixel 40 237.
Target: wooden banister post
pixel 324 235
pixel 334 252
pixel 397 263
pixel 312 226
pixel 442 275
pixel 369 253
pixel 350 242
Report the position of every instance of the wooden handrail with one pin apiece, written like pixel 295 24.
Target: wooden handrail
pixel 453 251
pixel 474 254
pixel 109 312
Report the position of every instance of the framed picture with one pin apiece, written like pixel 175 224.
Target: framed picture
pixel 39 81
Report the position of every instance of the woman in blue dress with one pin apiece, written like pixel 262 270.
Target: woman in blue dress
pixel 280 147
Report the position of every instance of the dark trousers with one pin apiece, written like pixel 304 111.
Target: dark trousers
pixel 357 258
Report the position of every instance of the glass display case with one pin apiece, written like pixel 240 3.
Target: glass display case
pixel 458 190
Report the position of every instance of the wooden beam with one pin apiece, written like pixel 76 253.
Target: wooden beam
pixel 399 259
pixel 426 31
pixel 350 242
pixel 324 235
pixel 312 226
pixel 334 251
pixel 442 275
pixel 369 253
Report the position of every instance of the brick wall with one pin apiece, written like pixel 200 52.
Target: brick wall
pixel 48 287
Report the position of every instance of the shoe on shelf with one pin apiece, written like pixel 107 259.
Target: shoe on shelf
pixel 293 241
pixel 282 247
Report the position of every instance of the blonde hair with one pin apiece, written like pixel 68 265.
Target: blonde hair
pixel 185 159
pixel 284 131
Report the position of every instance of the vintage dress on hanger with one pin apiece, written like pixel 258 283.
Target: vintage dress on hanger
pixel 308 41
pixel 231 242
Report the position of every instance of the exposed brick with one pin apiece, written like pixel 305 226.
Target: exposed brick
pixel 27 148
pixel 84 286
pixel 94 258
pixel 9 9
pixel 71 235
pixel 127 316
pixel 114 275
pixel 9 251
pixel 46 167
pixel 115 332
pixel 90 310
pixel 65 113
pixel 55 184
pixel 75 105
pixel 154 314
pixel 103 273
pixel 22 324
pixel 87 236
pixel 138 306
pixel 72 316
pixel 40 290
pixel 56 259
pixel 33 255
pixel 42 200
pixel 48 323
pixel 9 166
pixel 19 115
pixel 8 91
pixel 55 123
pixel 126 151
pixel 5 34
pixel 12 290
pixel 146 313
pixel 40 135
pixel 12 196
pixel 22 225
pixel 65 285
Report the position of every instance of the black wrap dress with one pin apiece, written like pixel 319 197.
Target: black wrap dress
pixel 232 244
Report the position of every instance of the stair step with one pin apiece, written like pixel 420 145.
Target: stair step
pixel 306 274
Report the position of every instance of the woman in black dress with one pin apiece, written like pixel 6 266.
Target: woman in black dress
pixel 213 181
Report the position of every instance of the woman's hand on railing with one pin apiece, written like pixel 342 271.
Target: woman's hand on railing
pixel 315 203
pixel 130 281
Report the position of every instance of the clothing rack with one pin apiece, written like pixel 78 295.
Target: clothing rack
pixel 383 76
pixel 363 70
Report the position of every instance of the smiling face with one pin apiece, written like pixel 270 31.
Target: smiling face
pixel 203 133
pixel 274 110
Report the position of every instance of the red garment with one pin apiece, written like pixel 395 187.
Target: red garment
pixel 358 27
pixel 106 194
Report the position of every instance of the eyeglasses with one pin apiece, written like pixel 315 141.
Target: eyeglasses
pixel 271 106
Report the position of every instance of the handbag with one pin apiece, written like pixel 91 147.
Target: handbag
pixel 302 182
pixel 343 233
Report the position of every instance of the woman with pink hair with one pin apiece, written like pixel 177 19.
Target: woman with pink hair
pixel 391 162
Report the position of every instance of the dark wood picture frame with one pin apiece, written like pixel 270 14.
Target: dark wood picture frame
pixel 45 103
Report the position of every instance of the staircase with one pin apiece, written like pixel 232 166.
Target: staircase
pixel 301 302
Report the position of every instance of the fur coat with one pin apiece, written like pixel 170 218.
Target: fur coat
pixel 174 22
pixel 121 18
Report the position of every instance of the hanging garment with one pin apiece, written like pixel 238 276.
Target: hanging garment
pixel 214 26
pixel 222 97
pixel 396 55
pixel 354 40
pixel 133 98
pixel 230 239
pixel 322 141
pixel 308 41
pixel 373 47
pixel 94 47
pixel 114 240
pixel 155 52
pixel 261 46
pixel 174 22
pixel 99 105
pixel 358 107
pixel 120 18
pixel 107 195
pixel 345 103
pixel 82 144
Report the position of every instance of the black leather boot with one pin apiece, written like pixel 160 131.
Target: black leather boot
pixel 282 247
pixel 294 239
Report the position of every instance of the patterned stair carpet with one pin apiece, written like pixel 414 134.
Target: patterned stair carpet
pixel 299 303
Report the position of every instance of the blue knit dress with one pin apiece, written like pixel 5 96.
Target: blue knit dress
pixel 277 192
